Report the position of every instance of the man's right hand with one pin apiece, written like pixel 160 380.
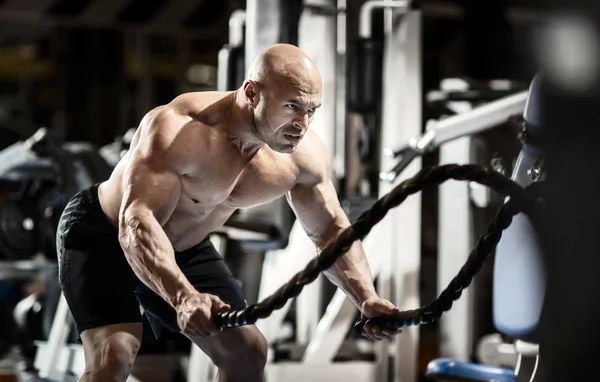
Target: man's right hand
pixel 195 315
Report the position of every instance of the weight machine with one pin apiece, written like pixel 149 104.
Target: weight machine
pixel 519 276
pixel 455 233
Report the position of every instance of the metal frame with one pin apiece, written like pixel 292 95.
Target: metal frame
pixel 455 237
pixel 237 21
pixel 479 119
pixel 339 158
pixel 475 121
pixel 402 119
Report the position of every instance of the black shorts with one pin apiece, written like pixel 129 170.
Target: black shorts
pixel 102 289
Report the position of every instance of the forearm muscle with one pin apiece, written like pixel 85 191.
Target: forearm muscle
pixel 151 256
pixel 352 274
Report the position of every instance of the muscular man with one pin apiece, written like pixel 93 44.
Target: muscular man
pixel 140 238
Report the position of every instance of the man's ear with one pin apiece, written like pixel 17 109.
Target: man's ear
pixel 251 93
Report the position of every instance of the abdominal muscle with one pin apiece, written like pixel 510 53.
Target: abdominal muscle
pixel 188 226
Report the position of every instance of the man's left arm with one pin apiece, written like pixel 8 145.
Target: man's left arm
pixel 317 207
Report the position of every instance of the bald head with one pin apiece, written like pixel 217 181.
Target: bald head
pixel 285 64
pixel 283 91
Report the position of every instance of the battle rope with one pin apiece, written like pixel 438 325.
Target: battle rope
pixel 428 314
pixel 520 200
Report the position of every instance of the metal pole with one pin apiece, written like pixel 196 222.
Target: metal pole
pixel 401 118
pixel 237 22
pixel 365 21
pixel 339 158
pixel 478 119
pixel 263 27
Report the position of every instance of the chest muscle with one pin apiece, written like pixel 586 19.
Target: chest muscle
pixel 259 182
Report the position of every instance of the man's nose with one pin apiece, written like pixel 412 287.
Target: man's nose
pixel 302 122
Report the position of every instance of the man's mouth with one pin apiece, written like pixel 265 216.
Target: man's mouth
pixel 293 137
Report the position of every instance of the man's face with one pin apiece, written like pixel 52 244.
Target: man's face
pixel 284 114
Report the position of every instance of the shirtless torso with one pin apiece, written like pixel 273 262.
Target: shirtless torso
pixel 215 177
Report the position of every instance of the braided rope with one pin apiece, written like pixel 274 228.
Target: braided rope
pixel 520 200
pixel 432 312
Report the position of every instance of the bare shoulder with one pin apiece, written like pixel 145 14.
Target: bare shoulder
pixel 196 103
pixel 159 128
pixel 312 159
pixel 174 134
pixel 160 138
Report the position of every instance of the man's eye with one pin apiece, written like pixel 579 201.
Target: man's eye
pixel 292 106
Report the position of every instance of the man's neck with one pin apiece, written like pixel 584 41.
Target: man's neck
pixel 241 129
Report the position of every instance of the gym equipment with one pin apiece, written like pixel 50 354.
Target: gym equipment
pixel 18 240
pixel 37 178
pixel 113 152
pixel 29 319
pixel 459 209
pixel 366 60
pixel 364 93
pixel 9 292
pixel 475 91
pixel 231 64
pixel 519 276
pixel 401 63
pixel 364 89
pixel 445 130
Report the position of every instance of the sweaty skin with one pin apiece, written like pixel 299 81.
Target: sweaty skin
pixel 196 160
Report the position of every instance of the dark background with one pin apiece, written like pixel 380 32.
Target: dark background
pixel 92 68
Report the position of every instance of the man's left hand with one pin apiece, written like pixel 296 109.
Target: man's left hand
pixel 375 307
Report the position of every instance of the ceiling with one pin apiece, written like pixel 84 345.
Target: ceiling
pixel 198 19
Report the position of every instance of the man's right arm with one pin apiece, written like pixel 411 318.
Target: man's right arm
pixel 151 189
